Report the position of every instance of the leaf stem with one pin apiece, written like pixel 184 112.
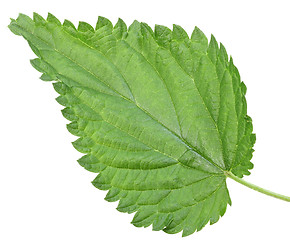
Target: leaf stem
pixel 257 188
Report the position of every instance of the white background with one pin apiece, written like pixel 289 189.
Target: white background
pixel 45 194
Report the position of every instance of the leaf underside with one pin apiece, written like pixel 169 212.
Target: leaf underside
pixel 159 115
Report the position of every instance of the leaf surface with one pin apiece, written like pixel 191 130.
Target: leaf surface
pixel 160 116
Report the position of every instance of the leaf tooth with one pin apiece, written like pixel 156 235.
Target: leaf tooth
pixel 84 27
pixel 223 209
pixel 72 99
pixel 91 163
pixel 67 100
pixel 179 33
pixel 144 216
pixel 223 53
pixel 232 68
pixel 69 114
pixel 61 88
pixel 47 77
pixel 39 20
pixel 102 182
pixel 243 88
pixel 120 29
pixel 213 49
pixel 102 21
pixel 13 26
pixel 163 35
pixel 83 144
pixel 74 129
pixel 198 36
pixel 42 66
pixel 146 29
pixel 134 27
pixel 128 204
pixel 26 22
pixel 231 61
pixel 62 100
pixel 68 24
pixel 253 139
pixel 161 221
pixel 249 125
pixel 175 225
pixel 52 19
pixel 121 24
pixel 70 28
pixel 236 72
pixel 113 194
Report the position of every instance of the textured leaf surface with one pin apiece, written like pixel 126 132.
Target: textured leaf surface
pixel 161 116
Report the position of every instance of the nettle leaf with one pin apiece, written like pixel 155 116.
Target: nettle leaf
pixel 161 116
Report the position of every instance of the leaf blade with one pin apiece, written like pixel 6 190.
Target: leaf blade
pixel 158 117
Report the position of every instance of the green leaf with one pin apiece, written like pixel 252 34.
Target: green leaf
pixel 162 118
